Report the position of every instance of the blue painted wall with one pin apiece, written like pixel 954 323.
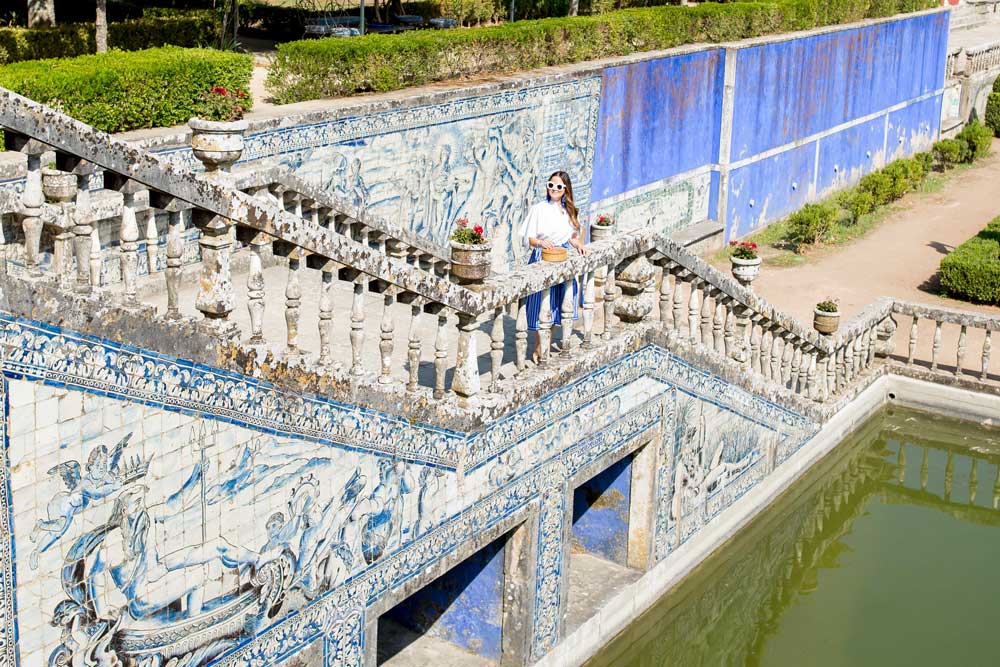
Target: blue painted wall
pixel 463 606
pixel 769 188
pixel 848 155
pixel 789 90
pixel 657 118
pixel 913 128
pixel 600 513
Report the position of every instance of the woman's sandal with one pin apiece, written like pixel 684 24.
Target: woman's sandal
pixel 536 357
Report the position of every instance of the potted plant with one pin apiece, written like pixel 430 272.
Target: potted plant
pixel 603 228
pixel 470 253
pixel 745 261
pixel 217 136
pixel 58 186
pixel 826 316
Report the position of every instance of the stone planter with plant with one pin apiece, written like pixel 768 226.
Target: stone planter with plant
pixel 470 254
pixel 603 228
pixel 745 261
pixel 217 135
pixel 826 317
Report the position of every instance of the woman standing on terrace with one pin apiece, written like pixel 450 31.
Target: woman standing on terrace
pixel 549 224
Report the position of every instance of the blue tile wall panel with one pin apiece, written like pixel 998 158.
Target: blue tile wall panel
pixel 768 189
pixel 463 606
pixel 846 156
pixel 600 513
pixel 657 118
pixel 793 89
pixel 914 127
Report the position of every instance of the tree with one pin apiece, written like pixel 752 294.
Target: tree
pixel 574 7
pixel 101 26
pixel 41 13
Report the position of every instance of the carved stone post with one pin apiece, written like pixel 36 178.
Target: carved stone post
pixel 215 298
pixel 609 302
pixel 521 337
pixel 128 236
pixel 326 315
pixel 588 309
pixel 496 350
pixel 440 353
pixel 255 288
pixel 175 248
pixel 357 328
pixel 386 328
pixel 465 383
pixel 634 280
pixel 82 242
pixel 566 315
pixel 31 209
pixel 413 344
pixel 152 241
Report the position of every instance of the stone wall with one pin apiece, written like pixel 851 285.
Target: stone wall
pixel 146 497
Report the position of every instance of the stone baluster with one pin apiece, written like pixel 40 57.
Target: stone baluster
pixel 152 241
pixel 521 337
pixel 465 383
pixel 872 346
pixel 849 362
pixel 255 287
pixel 804 360
pixel 694 307
pixel 860 352
pixel 729 333
pixel 544 332
pixel 496 350
pixel 357 328
pixel 666 296
pixel 413 344
pixel 610 291
pixel 949 475
pixel 841 367
pixel 830 367
pixel 786 361
pixel 987 347
pixel 813 376
pixel 215 299
pixel 82 236
pixel 175 249
pixel 96 263
pixel 386 335
pixel 913 340
pixel 793 378
pixel 936 347
pixel 31 211
pixel 293 302
pixel 128 237
pixel 960 353
pixel 588 309
pixel 973 480
pixel 569 302
pixel 678 307
pixel 357 335
pixel 706 316
pixel 440 354
pixel 766 342
pixel 776 350
pixel 719 324
pixel 755 338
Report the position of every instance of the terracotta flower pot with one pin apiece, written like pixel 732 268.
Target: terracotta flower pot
pixel 470 262
pixel 601 232
pixel 745 270
pixel 217 144
pixel 825 322
pixel 58 186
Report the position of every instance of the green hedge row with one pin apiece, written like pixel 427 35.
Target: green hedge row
pixel 75 39
pixel 119 90
pixel 314 69
pixel 972 270
pixel 992 116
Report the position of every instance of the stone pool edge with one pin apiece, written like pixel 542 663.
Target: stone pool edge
pixel 636 598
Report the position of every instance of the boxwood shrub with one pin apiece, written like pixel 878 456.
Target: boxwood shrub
pixel 314 69
pixel 972 270
pixel 75 39
pixel 119 90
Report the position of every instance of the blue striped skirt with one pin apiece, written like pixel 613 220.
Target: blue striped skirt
pixel 533 303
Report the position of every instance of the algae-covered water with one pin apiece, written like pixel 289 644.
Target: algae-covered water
pixel 887 553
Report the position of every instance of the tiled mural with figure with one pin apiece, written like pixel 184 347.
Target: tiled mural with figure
pixel 158 513
pixel 426 166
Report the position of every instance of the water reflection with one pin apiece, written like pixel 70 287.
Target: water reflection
pixel 729 611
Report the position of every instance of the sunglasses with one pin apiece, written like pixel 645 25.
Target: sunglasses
pixel 558 187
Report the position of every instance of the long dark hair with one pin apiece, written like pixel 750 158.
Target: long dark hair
pixel 567 199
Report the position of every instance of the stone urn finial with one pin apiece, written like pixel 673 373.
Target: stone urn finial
pixel 217 144
pixel 636 301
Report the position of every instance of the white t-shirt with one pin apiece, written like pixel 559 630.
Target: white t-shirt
pixel 547 220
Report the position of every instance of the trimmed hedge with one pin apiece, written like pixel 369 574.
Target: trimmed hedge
pixel 314 69
pixel 972 270
pixel 992 115
pixel 119 91
pixel 75 39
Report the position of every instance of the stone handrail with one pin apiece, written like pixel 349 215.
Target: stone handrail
pixel 282 181
pixel 982 58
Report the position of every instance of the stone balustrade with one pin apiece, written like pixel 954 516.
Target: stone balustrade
pixel 982 58
pixel 475 341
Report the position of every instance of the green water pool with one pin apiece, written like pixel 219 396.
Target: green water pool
pixel 887 553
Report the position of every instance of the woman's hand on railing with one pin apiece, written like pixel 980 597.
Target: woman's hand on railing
pixel 580 247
